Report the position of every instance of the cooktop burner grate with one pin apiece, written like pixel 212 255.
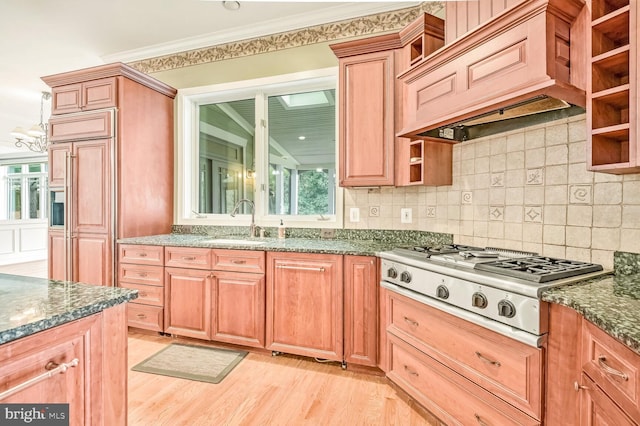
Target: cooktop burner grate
pixel 538 268
pixel 445 249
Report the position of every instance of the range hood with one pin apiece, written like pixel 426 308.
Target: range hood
pixel 523 67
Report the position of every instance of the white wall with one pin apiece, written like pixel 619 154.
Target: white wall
pixel 22 241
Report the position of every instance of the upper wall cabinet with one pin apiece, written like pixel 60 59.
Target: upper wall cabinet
pixel 612 98
pixel 366 120
pixel 84 96
pixel 371 102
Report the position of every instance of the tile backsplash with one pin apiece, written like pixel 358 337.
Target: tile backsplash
pixel 526 190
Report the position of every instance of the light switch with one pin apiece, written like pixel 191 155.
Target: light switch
pixel 405 215
pixel 354 214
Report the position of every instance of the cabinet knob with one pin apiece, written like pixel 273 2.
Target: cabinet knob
pixel 141 316
pixel 143 255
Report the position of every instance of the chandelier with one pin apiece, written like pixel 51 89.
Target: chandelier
pixel 36 137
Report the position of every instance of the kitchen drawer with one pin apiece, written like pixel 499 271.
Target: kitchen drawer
pixel 147 294
pixel 613 367
pixel 449 396
pixel 140 274
pixel 238 260
pixel 141 255
pixel 505 367
pixel 97 125
pixel 145 316
pixel 187 257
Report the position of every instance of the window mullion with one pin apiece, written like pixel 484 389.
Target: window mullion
pixel 261 157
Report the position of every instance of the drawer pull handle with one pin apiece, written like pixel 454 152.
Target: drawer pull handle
pixel 411 371
pixel 142 316
pixel 609 370
pixel 577 386
pixel 188 258
pixel 239 262
pixel 142 254
pixel 52 368
pixel 142 274
pixel 300 268
pixel 479 420
pixel 487 360
pixel 412 322
pixel 143 294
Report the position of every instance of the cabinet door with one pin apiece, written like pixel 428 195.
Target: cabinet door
pixel 25 359
pixel 91 186
pixel 76 127
pixel 92 259
pixel 57 257
pixel 187 302
pixel 597 409
pixel 100 93
pixel 58 164
pixel 66 99
pixel 238 308
pixel 360 310
pixel 367 119
pixel 94 94
pixel 304 304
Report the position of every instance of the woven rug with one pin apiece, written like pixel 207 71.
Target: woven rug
pixel 200 363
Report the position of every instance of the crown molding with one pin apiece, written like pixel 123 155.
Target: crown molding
pixel 295 22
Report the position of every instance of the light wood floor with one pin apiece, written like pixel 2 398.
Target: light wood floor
pixel 30 269
pixel 261 390
pixel 265 390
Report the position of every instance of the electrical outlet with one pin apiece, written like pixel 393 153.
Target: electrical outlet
pixel 374 211
pixel 405 215
pixel 354 214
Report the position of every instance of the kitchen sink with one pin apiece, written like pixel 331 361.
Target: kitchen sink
pixel 235 242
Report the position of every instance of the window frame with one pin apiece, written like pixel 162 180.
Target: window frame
pixel 186 181
pixel 23 178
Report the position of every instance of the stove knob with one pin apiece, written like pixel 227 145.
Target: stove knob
pixel 405 277
pixel 392 273
pixel 506 309
pixel 442 292
pixel 479 300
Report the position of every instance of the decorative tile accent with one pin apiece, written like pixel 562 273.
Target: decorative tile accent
pixel 366 25
pixel 496 213
pixel 580 194
pixel 535 176
pixel 431 211
pixel 497 179
pixel 533 214
pixel 467 197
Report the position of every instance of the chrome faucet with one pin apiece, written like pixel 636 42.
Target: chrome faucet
pixel 252 228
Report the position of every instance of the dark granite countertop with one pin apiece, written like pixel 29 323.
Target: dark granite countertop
pixel 29 305
pixel 305 245
pixel 612 302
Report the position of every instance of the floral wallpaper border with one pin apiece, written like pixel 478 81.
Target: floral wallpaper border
pixel 366 25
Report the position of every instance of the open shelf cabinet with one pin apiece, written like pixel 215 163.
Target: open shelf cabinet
pixel 612 101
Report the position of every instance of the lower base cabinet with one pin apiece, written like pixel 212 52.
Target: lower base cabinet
pixel 187 310
pixel 305 304
pixel 94 384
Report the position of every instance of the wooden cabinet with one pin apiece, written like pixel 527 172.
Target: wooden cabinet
pixel 90 95
pixel 612 79
pixel 366 121
pixel 215 294
pixel 141 268
pixel 304 304
pixel 97 162
pixel 589 369
pixel 423 162
pixel 506 373
pixel 239 297
pixel 360 310
pixel 465 16
pixel 613 368
pixel 94 384
pixel 371 104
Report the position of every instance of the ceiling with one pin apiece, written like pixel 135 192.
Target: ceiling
pixel 44 37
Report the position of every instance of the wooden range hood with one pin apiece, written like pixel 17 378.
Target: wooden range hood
pixel 523 66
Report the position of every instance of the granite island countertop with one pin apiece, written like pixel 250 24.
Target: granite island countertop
pixel 612 302
pixel 302 245
pixel 29 305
